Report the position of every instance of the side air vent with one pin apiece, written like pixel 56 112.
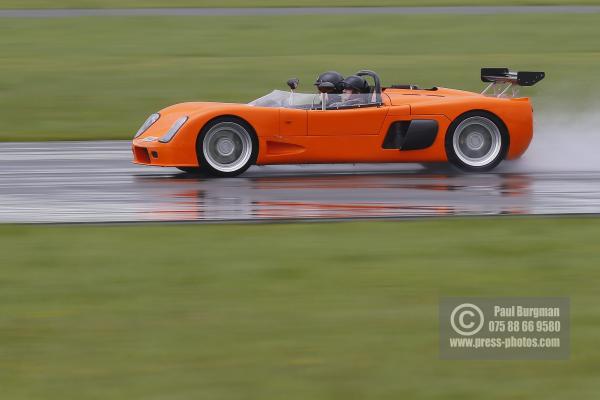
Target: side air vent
pixel 417 134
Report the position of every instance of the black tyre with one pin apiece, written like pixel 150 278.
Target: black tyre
pixel 226 147
pixel 477 141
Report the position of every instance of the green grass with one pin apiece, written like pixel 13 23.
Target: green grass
pixel 305 311
pixel 90 78
pixel 270 3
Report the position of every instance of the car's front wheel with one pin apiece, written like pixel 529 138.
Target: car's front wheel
pixel 476 142
pixel 227 147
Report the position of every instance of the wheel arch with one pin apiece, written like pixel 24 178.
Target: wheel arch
pixel 503 126
pixel 215 118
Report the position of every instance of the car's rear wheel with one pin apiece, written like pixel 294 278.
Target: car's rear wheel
pixel 227 147
pixel 476 142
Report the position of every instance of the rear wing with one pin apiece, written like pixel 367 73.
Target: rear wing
pixel 502 79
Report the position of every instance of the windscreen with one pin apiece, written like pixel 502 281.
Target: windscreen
pixel 280 98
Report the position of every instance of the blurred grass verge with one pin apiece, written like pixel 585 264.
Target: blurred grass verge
pixel 99 78
pixel 294 311
pixel 272 3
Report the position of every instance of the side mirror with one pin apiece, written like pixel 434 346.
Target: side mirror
pixel 293 83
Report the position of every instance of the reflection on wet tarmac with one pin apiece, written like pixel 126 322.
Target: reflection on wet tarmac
pixel 95 182
pixel 384 195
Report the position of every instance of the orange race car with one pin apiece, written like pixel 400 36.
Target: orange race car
pixel 346 120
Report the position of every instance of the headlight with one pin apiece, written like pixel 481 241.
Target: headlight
pixel 174 129
pixel 149 122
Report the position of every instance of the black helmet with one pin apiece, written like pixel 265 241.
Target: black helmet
pixel 330 82
pixel 356 83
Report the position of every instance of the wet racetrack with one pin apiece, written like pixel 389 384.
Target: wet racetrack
pixel 96 182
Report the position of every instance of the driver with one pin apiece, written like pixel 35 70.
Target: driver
pixel 354 88
pixel 355 91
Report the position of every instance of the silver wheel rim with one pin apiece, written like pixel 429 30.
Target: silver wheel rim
pixel 227 147
pixel 477 141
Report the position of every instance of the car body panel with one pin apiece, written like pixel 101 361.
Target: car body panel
pixel 348 122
